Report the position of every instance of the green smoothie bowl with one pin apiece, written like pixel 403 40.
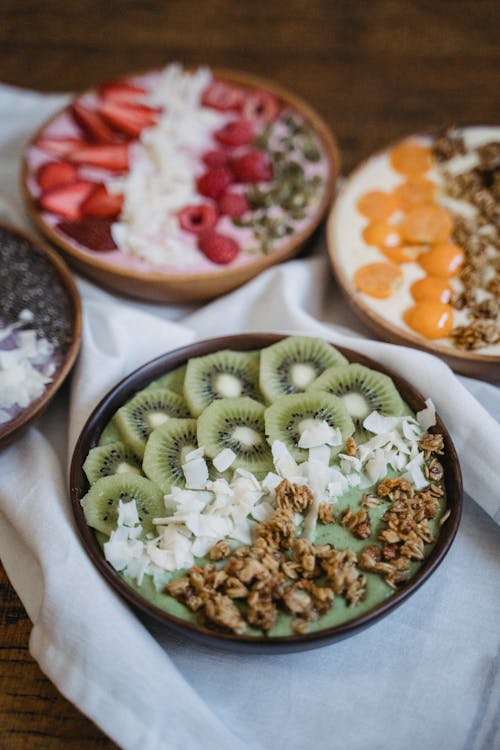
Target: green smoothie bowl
pixel 265 493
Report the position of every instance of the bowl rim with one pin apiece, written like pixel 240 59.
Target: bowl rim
pixel 142 376
pixel 13 428
pixel 258 264
pixel 363 309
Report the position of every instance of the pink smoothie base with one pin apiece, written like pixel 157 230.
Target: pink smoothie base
pixel 63 126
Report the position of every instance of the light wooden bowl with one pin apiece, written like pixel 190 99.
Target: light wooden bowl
pixel 11 430
pixel 156 286
pixel 473 364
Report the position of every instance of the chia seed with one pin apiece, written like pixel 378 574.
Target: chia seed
pixel 29 282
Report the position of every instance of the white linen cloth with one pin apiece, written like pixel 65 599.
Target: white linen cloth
pixel 427 676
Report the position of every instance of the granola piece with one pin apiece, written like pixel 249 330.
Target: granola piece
pixel 279 531
pixel 293 496
pixel 297 600
pixel 431 443
pixel 325 513
pixel 234 588
pixel 291 569
pixel 390 552
pixel 369 501
pixel 221 610
pixel 262 612
pixel 299 625
pixel 489 155
pixel 220 550
pixel 350 446
pixel 358 523
pixel 369 557
pixel 488 309
pixel 303 552
pixel 447 146
pixel 393 488
pixel 413 547
pixel 345 577
pixel 322 596
pixel 434 470
pixel 494 285
pixel 247 569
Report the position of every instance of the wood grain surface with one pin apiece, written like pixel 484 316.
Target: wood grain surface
pixel 374 70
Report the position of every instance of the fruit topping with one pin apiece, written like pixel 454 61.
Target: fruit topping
pixel 431 288
pixel 260 105
pixel 215 158
pixel 442 260
pixel 59 147
pixel 411 159
pixel 381 235
pixel 434 320
pixel 66 200
pixel 378 280
pixel 91 123
pixel 233 204
pixel 254 166
pixel 198 219
pixel 219 248
pixel 414 192
pixel 235 133
pixel 94 234
pixel 102 205
pixel 426 223
pixel 55 173
pixel 114 156
pixel 127 117
pixel 376 205
pixel 222 96
pixel 120 91
pixel 214 182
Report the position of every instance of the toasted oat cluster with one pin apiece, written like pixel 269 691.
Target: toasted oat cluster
pixel 282 571
pixel 479 237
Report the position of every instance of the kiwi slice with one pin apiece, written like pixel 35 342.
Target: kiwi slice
pixel 173 381
pixel 291 365
pixel 146 411
pixel 288 417
pixel 166 451
pixel 224 374
pixel 361 391
pixel 110 434
pixel 112 458
pixel 236 423
pixel 100 504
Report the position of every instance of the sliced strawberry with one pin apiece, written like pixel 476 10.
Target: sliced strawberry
pixel 214 182
pixel 222 96
pixel 254 166
pixel 219 248
pixel 260 105
pixel 233 204
pixel 128 118
pixel 66 200
pixel 235 133
pixel 55 173
pixel 216 158
pixel 95 234
pixel 102 205
pixel 92 123
pixel 113 156
pixel 120 91
pixel 198 219
pixel 60 147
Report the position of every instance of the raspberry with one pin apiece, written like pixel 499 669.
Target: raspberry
pixel 219 248
pixel 222 96
pixel 216 158
pixel 233 204
pixel 198 219
pixel 261 106
pixel 254 166
pixel 214 182
pixel 235 133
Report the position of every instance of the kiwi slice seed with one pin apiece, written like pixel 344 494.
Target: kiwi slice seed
pixel 112 458
pixel 291 365
pixel 146 411
pixel 100 504
pixel 166 451
pixel 288 417
pixel 236 423
pixel 224 374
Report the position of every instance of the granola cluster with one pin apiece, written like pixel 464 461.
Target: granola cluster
pixel 479 238
pixel 282 572
pixel 279 571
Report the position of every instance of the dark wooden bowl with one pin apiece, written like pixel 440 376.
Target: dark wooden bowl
pixel 157 286
pixel 473 364
pixel 14 428
pixel 261 644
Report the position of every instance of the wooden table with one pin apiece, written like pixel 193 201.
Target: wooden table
pixel 374 70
